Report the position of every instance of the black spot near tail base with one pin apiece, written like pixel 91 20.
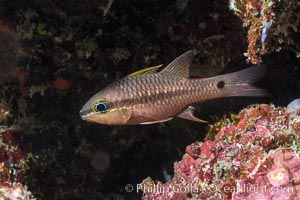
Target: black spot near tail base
pixel 221 84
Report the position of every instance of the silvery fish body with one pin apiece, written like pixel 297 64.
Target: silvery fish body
pixel 147 96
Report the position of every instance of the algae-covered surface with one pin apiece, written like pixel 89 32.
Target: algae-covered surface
pixel 54 55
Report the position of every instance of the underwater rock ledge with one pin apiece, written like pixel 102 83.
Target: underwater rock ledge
pixel 252 155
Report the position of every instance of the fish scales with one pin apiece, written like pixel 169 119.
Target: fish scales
pixel 174 94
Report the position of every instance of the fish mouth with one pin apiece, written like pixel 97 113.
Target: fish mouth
pixel 83 117
pixel 84 113
pixel 86 118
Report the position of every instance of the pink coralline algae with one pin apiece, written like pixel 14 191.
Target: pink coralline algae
pixel 253 155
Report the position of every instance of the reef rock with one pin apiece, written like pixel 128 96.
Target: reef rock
pixel 253 155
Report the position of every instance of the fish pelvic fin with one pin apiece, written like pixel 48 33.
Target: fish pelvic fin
pixel 240 83
pixel 179 68
pixel 149 70
pixel 189 114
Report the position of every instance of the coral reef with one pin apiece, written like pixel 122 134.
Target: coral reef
pixel 14 191
pixel 272 25
pixel 12 155
pixel 294 107
pixel 54 55
pixel 254 155
pixel 14 161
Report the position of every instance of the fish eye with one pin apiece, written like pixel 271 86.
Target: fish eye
pixel 101 107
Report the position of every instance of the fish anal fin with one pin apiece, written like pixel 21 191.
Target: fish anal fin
pixel 149 70
pixel 158 121
pixel 189 114
pixel 179 68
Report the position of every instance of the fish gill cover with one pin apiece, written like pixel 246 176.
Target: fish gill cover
pixel 55 54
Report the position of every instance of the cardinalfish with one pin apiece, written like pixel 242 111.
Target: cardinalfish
pixel 150 96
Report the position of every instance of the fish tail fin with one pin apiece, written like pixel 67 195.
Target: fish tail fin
pixel 240 83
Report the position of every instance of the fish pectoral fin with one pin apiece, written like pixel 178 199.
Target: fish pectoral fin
pixel 158 121
pixel 179 68
pixel 189 114
pixel 125 114
pixel 149 70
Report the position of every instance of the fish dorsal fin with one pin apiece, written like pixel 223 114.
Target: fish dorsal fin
pixel 179 67
pixel 149 70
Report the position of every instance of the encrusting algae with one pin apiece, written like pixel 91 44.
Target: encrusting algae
pixel 272 26
pixel 255 157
